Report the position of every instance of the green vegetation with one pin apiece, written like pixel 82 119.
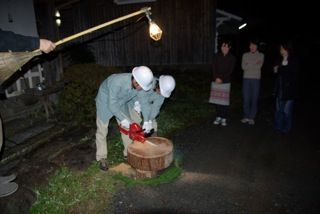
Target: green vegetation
pixel 76 102
pixel 169 175
pixel 69 191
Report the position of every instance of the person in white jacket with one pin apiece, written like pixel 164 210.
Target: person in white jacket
pixel 112 98
pixel 251 64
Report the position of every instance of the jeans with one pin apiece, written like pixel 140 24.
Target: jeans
pixel 283 115
pixel 250 92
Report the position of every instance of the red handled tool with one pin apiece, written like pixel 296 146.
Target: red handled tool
pixel 135 132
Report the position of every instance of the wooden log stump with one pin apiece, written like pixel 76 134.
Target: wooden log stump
pixel 151 156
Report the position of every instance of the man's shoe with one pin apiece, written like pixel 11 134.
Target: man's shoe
pixel 7 179
pixel 103 165
pixel 8 189
pixel 217 121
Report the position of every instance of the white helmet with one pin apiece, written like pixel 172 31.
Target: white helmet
pixel 167 85
pixel 144 77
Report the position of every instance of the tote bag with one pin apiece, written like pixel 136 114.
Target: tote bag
pixel 220 93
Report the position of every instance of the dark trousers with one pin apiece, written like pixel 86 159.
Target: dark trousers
pixel 222 111
pixel 283 115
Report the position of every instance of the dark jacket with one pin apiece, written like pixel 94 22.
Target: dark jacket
pixel 223 67
pixel 287 80
pixel 15 42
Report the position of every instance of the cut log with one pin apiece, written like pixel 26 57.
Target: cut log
pixel 149 157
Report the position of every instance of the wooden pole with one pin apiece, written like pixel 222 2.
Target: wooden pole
pixel 90 30
pixel 11 62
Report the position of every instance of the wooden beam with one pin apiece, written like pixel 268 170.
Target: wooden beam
pixel 66 4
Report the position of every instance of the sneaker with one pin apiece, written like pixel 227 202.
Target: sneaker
pixel 217 121
pixel 224 122
pixel 7 189
pixel 244 120
pixel 251 122
pixel 103 165
pixel 7 179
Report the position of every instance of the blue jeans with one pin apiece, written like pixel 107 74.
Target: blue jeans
pixel 283 115
pixel 250 90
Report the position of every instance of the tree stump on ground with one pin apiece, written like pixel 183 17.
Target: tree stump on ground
pixel 151 156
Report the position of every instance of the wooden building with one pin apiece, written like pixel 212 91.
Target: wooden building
pixel 188 30
pixel 188 37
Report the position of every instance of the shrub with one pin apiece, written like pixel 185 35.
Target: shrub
pixel 77 100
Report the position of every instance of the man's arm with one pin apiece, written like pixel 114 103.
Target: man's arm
pixel 244 62
pixel 15 42
pixel 46 45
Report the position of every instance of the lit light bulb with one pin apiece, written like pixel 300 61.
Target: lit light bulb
pixel 58 22
pixel 155 31
pixel 57 14
pixel 242 26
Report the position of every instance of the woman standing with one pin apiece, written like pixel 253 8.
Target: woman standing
pixel 223 65
pixel 286 88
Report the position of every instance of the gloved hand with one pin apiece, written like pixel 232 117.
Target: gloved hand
pixel 137 107
pixel 125 123
pixel 147 126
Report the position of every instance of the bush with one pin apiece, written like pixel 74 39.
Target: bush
pixel 77 101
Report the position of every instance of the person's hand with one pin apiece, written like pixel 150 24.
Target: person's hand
pixel 147 126
pixel 218 81
pixel 137 107
pixel 275 69
pixel 125 123
pixel 46 45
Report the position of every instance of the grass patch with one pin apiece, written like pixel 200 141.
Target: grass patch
pixel 115 149
pixel 177 115
pixel 169 175
pixel 68 190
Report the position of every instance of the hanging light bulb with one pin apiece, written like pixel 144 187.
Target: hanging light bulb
pixel 154 30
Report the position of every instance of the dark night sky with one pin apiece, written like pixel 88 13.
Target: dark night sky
pixel 271 18
pixel 274 21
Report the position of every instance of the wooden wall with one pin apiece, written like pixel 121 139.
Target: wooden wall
pixel 188 32
pixel 44 11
